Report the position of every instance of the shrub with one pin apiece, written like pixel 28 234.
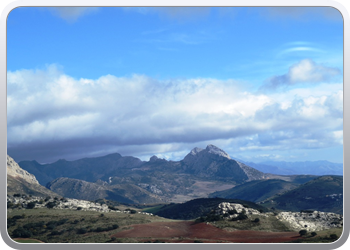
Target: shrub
pixel 313 234
pixel 31 205
pixel 20 232
pixel 256 220
pixel 302 232
pixel 240 216
pixel 333 236
pixel 51 204
pixel 79 208
pixel 10 204
pixel 233 211
pixel 81 231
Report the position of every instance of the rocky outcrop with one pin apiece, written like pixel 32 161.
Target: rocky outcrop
pixel 309 220
pixel 21 181
pixel 22 202
pixel 232 210
pixel 14 170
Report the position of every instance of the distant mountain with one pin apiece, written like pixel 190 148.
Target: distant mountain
pixel 213 162
pixel 257 190
pixel 88 169
pixel 298 168
pixel 165 179
pixel 129 180
pixel 324 193
pixel 22 182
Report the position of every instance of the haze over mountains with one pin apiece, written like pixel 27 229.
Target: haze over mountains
pixel 305 167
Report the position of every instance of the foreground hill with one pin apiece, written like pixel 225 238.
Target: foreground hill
pixel 324 193
pixel 198 207
pixel 72 221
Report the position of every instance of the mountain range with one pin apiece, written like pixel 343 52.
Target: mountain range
pixel 208 172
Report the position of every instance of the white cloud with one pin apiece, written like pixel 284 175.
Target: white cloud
pixel 71 14
pixel 49 111
pixel 305 71
pixel 182 14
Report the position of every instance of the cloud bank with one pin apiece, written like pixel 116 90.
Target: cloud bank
pixel 52 115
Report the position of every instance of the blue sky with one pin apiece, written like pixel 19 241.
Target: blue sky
pixel 261 83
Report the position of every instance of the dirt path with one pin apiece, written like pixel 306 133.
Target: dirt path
pixel 182 231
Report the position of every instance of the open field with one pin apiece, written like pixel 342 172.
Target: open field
pixel 189 231
pixel 73 226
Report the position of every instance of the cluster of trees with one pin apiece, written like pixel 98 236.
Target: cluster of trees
pixel 34 228
pixel 313 234
pixel 97 230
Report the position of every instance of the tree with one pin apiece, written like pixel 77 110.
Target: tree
pixel 302 232
pixel 50 204
pixel 333 236
pixel 31 205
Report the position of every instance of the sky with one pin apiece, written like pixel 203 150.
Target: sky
pixel 262 83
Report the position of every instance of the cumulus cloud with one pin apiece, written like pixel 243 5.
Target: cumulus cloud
pixel 182 14
pixel 71 14
pixel 52 115
pixel 305 71
pixel 303 13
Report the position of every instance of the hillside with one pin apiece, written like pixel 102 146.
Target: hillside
pixel 324 193
pixel 79 189
pixel 20 181
pixel 257 190
pixel 198 207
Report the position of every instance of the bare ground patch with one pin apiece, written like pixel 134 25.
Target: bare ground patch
pixel 188 231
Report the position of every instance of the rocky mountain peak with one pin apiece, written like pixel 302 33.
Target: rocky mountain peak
pixel 153 158
pixel 196 151
pixel 14 170
pixel 218 151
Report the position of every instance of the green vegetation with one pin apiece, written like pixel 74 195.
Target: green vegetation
pixel 72 226
pixel 199 207
pixel 325 236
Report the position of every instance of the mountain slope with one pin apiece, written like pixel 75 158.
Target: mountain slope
pixel 324 193
pixel 214 163
pixel 257 190
pixel 22 182
pixel 199 207
pixel 79 189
